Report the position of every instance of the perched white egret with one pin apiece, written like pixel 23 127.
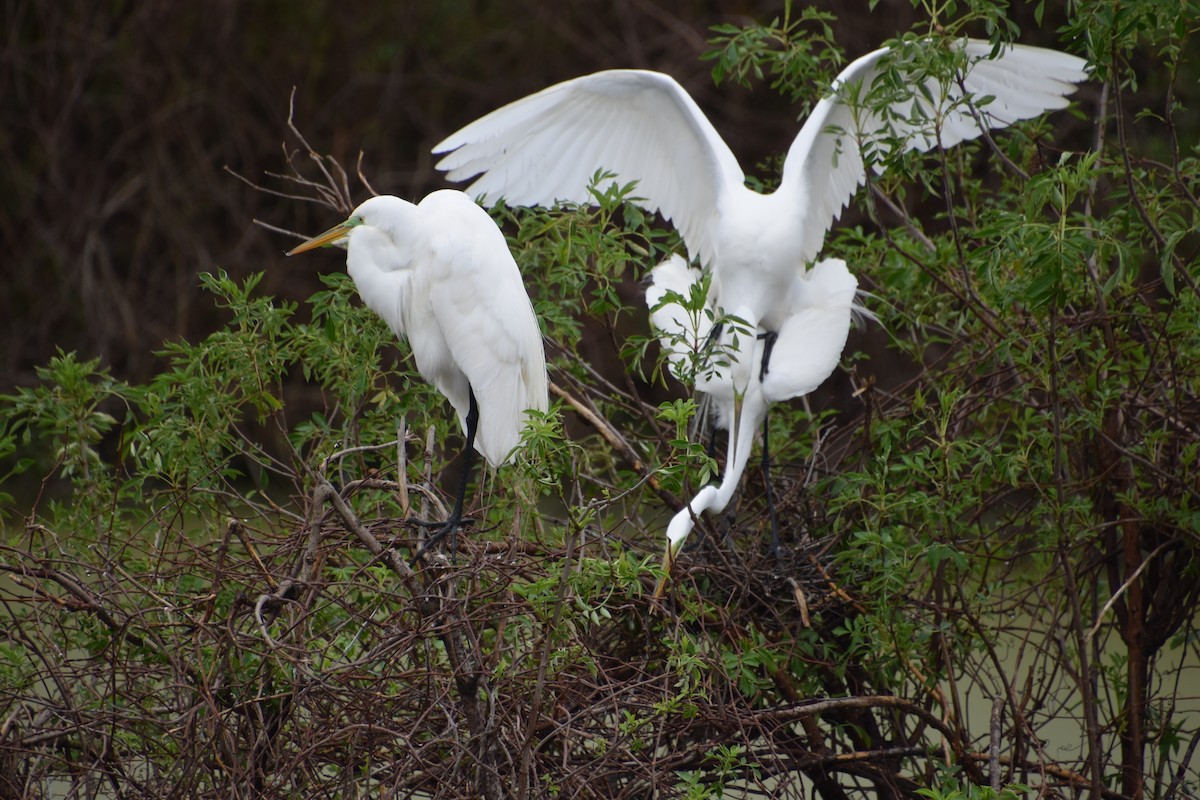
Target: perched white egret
pixel 818 309
pixel 644 127
pixel 440 274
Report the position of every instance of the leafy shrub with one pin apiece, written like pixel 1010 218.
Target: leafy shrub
pixel 210 594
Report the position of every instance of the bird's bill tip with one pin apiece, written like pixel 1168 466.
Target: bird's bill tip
pixel 668 559
pixel 330 236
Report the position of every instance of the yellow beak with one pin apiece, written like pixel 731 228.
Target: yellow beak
pixel 330 236
pixel 668 560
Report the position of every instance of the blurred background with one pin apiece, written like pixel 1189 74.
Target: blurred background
pixel 119 121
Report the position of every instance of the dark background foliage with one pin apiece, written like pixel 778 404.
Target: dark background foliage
pixel 119 118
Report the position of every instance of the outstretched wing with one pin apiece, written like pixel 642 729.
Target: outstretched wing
pixel 826 159
pixel 484 314
pixel 640 125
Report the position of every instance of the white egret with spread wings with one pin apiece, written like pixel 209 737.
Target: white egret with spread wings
pixel 808 346
pixel 643 126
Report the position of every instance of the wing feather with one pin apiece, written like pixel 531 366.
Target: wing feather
pixel 812 338
pixel 682 333
pixel 825 160
pixel 640 125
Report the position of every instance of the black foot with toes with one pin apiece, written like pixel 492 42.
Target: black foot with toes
pixel 445 529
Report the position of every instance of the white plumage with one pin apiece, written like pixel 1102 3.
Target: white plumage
pixel 643 126
pixel 441 275
pixel 810 341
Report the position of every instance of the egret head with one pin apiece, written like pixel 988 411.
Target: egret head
pixel 384 212
pixel 332 236
pixel 680 526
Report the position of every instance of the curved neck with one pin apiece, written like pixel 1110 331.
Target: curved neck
pixel 742 429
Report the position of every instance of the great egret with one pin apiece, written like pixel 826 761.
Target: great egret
pixel 440 274
pixel 644 127
pixel 819 304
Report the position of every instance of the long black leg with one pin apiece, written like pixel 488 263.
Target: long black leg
pixel 455 521
pixel 714 333
pixel 768 338
pixel 766 471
